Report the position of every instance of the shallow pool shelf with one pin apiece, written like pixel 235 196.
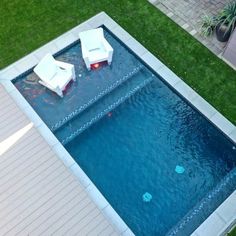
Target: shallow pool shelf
pixel 101 108
pixel 98 96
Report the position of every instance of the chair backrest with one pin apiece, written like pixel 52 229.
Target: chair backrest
pixel 46 68
pixel 92 39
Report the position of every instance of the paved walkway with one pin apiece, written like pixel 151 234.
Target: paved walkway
pixel 188 13
pixel 230 51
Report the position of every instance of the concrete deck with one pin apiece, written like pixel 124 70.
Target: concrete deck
pixel 38 193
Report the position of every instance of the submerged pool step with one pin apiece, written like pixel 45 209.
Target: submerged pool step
pixel 85 119
pixel 106 90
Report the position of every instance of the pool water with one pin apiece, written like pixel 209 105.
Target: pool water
pixel 152 155
pixel 135 150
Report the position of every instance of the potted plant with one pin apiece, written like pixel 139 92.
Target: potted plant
pixel 208 24
pixel 226 22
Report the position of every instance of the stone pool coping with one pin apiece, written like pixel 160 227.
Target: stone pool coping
pixel 221 219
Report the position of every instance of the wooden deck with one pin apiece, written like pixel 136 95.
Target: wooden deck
pixel 38 194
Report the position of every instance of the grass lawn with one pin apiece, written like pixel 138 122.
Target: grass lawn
pixel 28 24
pixel 233 232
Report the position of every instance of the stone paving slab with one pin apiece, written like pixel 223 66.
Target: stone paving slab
pixel 188 14
pixel 220 221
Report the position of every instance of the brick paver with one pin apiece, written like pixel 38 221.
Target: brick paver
pixel 188 13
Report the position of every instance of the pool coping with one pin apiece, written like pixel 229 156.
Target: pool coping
pixel 221 217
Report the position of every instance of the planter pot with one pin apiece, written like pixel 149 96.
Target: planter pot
pixel 222 32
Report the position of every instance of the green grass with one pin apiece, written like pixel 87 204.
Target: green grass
pixel 233 232
pixel 28 24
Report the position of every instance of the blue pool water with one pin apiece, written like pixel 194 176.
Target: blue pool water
pixel 154 158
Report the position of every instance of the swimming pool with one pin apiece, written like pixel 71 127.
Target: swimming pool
pixel 128 131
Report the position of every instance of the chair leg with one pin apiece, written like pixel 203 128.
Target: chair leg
pixel 59 92
pixel 73 74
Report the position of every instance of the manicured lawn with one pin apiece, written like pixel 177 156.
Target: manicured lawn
pixel 28 24
pixel 233 232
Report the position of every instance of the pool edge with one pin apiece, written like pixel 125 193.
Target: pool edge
pixel 54 46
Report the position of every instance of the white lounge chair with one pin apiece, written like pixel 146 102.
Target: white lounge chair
pixel 95 47
pixel 54 75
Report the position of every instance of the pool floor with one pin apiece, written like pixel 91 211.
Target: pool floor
pixel 135 149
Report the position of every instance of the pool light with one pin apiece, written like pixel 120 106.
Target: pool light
pixel 95 66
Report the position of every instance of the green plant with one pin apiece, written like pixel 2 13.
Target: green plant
pixel 208 24
pixel 228 16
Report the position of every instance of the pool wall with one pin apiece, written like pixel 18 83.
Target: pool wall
pixel 222 217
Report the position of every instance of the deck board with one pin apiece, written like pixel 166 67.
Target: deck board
pixel 38 194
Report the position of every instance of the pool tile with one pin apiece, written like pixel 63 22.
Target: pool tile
pixel 29 111
pixel 115 219
pixel 128 232
pixel 169 76
pixel 9 73
pixel 48 136
pixel 185 90
pixel 65 40
pixel 121 33
pixel 79 173
pixel 110 23
pixel 82 27
pixel 63 154
pixel 227 210
pixel 19 99
pixel 204 107
pixel 8 85
pixel 152 61
pixel 232 135
pixel 26 63
pixel 194 234
pixel 211 226
pixel 136 47
pixel 97 197
pixel 48 48
pixel 95 21
pixel 222 123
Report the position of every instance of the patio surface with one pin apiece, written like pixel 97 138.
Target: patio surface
pixel 188 13
pixel 39 195
pixel 230 51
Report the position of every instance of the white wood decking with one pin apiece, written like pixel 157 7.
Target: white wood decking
pixel 38 193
